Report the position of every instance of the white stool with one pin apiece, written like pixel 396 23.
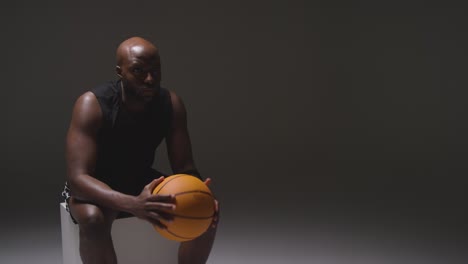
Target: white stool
pixel 135 241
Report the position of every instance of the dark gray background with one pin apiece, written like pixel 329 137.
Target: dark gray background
pixel 334 130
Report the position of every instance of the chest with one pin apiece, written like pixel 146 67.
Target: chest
pixel 141 130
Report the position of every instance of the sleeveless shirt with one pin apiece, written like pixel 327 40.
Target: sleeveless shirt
pixel 126 143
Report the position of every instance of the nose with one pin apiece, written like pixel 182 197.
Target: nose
pixel 149 79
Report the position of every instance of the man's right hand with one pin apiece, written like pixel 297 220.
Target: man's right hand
pixel 154 207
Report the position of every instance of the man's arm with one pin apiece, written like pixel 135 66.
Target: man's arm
pixel 81 152
pixel 179 147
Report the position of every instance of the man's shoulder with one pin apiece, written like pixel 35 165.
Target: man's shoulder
pixel 172 95
pixel 107 94
pixel 87 112
pixel 99 99
pixel 107 89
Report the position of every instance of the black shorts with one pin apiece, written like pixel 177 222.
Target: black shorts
pixel 132 189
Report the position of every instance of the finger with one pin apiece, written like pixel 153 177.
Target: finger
pixel 157 216
pixel 157 223
pixel 166 217
pixel 170 198
pixel 216 206
pixel 207 181
pixel 154 183
pixel 216 215
pixel 160 206
pixel 214 223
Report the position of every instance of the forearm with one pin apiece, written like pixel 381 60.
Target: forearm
pixel 183 165
pixel 87 188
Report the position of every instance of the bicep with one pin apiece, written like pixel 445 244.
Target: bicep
pixel 81 152
pixel 81 146
pixel 178 140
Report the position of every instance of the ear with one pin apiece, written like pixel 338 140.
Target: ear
pixel 118 70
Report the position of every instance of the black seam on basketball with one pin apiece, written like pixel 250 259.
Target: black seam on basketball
pixel 193 217
pixel 175 177
pixel 207 193
pixel 174 234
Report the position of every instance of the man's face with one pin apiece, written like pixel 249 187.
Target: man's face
pixel 141 73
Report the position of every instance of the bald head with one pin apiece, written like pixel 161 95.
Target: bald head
pixel 139 68
pixel 135 47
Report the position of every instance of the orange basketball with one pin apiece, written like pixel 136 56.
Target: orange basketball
pixel 194 207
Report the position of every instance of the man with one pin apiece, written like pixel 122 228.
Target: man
pixel 114 131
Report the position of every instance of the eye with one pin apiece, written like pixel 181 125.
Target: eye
pixel 137 70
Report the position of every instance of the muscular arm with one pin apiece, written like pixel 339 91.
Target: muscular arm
pixel 179 148
pixel 81 157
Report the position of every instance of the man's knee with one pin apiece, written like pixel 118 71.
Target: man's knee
pixel 93 219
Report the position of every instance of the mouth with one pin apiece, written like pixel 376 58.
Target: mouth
pixel 148 91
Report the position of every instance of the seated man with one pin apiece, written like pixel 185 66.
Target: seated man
pixel 111 142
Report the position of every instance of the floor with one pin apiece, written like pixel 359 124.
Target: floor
pixel 325 238
pixel 323 245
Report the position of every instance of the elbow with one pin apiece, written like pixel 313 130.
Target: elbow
pixel 75 184
pixel 72 180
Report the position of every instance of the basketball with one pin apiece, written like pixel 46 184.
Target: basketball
pixel 194 207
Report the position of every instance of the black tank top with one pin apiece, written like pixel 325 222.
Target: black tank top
pixel 126 143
